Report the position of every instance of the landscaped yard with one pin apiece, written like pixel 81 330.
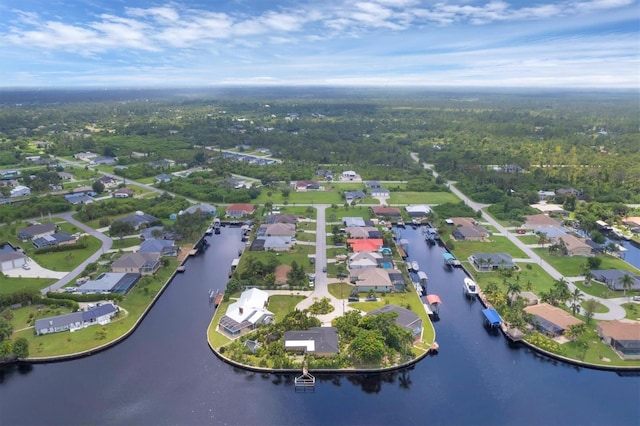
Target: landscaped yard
pixel 340 290
pixel 633 311
pixel 135 302
pixel 281 305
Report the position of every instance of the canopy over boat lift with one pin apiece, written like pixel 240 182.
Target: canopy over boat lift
pixel 492 317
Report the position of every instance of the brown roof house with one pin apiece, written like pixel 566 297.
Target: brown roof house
pixel 551 320
pixel 575 246
pixel 236 211
pixel 470 233
pixel 376 279
pixel 386 211
pixel 540 220
pixel 623 336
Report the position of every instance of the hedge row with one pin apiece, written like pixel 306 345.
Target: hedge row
pixel 83 297
pixel 80 244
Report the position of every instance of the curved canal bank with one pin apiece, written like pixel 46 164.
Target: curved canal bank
pixel 165 373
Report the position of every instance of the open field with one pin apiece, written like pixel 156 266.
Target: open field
pixel 574 266
pixel 496 244
pixel 10 285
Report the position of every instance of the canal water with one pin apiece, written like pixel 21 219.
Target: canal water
pixel 166 374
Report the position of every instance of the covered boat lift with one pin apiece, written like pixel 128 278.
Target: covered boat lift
pixel 492 317
pixel 451 260
pixel 434 303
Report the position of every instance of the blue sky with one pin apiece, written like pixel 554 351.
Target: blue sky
pixel 493 43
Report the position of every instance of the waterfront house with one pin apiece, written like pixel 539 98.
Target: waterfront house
pixel 363 232
pixel 470 233
pixel 540 220
pixel 203 208
pixel 364 260
pixel 277 230
pixel 574 246
pixel 365 244
pixel 462 221
pixel 98 315
pixel 10 258
pixel 376 279
pixel 139 263
pixel 623 336
pixel 159 247
pixel 236 211
pixel 612 278
pixel 277 243
pixel 382 211
pixel 492 261
pixel 318 341
pixel 37 231
pixel 110 282
pixel 418 210
pixel 405 318
pixel 551 320
pixel 247 313
pixel 280 218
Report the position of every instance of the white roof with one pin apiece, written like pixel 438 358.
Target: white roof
pixel 418 208
pixel 309 345
pixel 251 301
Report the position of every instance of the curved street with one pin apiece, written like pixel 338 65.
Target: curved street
pixel 615 310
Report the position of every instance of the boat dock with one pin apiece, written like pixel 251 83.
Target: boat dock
pixel 305 382
pixel 450 260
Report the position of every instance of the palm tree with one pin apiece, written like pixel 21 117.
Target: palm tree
pixel 576 298
pixel 542 239
pixel 561 290
pixel 627 283
pixel 513 290
pixel 588 276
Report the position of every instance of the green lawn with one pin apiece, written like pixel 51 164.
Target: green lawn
pixel 306 236
pixel 281 305
pixel 530 276
pixel 125 243
pixel 134 303
pixel 66 260
pixel 306 197
pixel 336 215
pixel 300 254
pixel 573 266
pixel 218 339
pixel 340 290
pixel 528 239
pixel 422 198
pixel 632 310
pixel 596 289
pixel 496 244
pixel 10 285
pixel 595 351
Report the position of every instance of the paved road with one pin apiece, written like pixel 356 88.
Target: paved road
pixel 321 288
pixel 615 310
pixel 106 245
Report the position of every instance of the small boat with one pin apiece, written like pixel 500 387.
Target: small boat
pixel 470 286
pixel 209 231
pixel 415 266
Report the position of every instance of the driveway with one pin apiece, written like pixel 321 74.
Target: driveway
pixel 34 271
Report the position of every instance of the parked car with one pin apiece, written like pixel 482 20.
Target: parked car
pixel 342 275
pixel 636 298
pixel 25 266
pixel 324 269
pixel 312 260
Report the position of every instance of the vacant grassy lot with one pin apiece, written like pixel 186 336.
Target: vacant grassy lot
pixel 574 266
pixel 496 244
pixel 632 310
pixel 528 239
pixel 306 197
pixel 422 198
pixel 336 214
pixel 66 260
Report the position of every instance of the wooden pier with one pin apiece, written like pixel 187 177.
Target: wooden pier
pixel 305 382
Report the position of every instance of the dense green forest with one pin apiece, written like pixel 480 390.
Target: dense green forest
pixel 501 147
